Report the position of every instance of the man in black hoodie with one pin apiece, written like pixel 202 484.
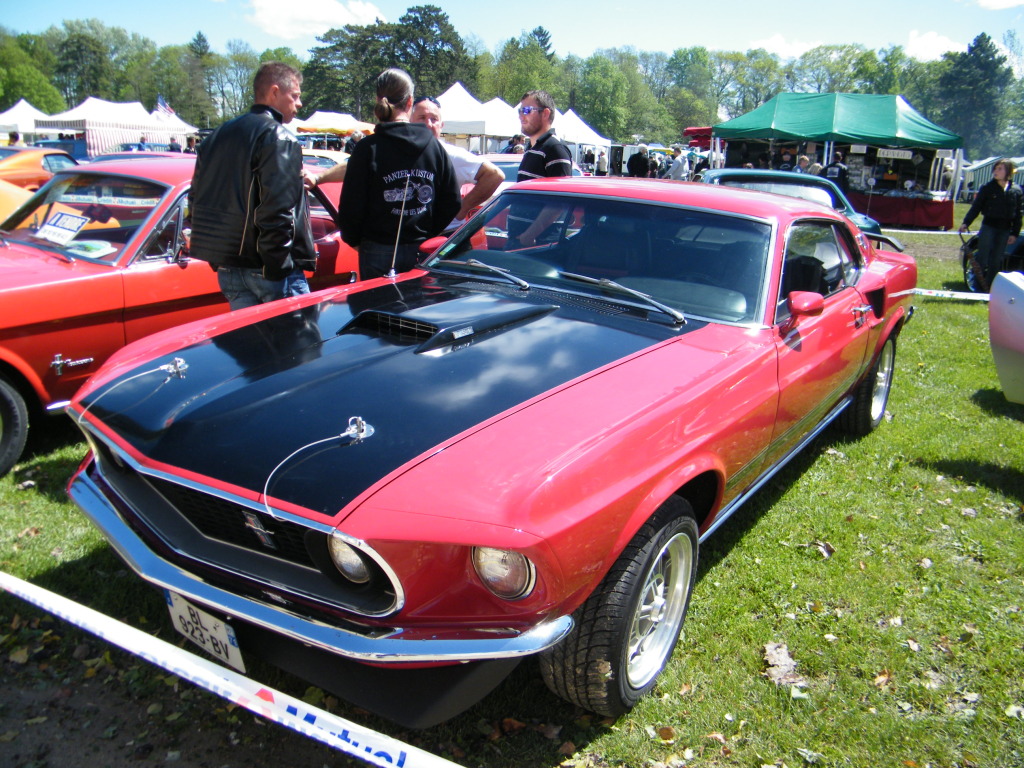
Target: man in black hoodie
pixel 400 186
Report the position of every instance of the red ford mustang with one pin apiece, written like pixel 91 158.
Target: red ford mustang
pixel 399 488
pixel 96 260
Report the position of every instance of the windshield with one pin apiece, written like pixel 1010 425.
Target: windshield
pixel 705 264
pixel 85 216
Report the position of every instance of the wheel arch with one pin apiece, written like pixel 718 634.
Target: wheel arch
pixel 16 378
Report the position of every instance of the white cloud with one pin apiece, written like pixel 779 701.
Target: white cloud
pixel 999 5
pixel 310 17
pixel 785 49
pixel 929 46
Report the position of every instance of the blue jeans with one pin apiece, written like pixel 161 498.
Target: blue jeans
pixel 247 287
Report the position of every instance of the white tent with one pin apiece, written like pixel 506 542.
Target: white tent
pixel 462 114
pixel 107 124
pixel 178 127
pixel 501 119
pixel 571 129
pixel 21 118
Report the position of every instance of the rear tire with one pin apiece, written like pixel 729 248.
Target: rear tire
pixel 626 631
pixel 13 426
pixel 974 274
pixel 867 410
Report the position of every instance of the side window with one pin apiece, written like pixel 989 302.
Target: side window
pixel 850 257
pixel 55 163
pixel 816 260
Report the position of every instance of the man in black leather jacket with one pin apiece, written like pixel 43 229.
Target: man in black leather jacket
pixel 250 219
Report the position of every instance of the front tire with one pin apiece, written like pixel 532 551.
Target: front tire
pixel 867 410
pixel 626 630
pixel 13 426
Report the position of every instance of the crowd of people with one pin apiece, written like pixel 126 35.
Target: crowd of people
pixel 403 186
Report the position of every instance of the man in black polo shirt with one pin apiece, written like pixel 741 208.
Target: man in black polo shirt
pixel 547 157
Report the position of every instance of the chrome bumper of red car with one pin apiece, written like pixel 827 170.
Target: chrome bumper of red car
pixel 398 645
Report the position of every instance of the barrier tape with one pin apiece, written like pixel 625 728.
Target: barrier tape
pixel 341 734
pixel 962 295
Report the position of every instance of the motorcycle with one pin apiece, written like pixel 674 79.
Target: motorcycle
pixel 974 273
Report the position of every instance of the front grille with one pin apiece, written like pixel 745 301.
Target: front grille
pixel 229 522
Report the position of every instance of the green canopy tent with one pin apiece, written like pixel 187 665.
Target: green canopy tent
pixel 849 118
pixel 855 118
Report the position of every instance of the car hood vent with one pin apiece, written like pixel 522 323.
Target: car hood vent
pixel 398 328
pixel 430 328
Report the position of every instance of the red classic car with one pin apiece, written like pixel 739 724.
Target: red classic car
pixel 398 489
pixel 94 261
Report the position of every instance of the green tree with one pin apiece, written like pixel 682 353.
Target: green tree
pixel 603 90
pixel 543 38
pixel 84 68
pixel 431 50
pixel 340 75
pixel 829 69
pixel 655 72
pixel 233 75
pixel 974 85
pixel 23 81
pixel 759 77
pixel 522 66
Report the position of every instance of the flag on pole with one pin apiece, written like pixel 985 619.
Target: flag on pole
pixel 163 107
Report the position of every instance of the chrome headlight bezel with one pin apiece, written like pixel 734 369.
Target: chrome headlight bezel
pixel 505 573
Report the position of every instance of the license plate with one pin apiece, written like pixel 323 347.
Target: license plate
pixel 205 630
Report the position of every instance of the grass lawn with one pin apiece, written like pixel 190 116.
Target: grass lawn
pixel 891 568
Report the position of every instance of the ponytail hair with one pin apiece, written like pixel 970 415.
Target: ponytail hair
pixel 394 89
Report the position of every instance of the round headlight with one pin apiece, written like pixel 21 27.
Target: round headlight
pixel 348 560
pixel 508 574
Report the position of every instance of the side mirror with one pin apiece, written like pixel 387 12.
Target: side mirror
pixel 805 304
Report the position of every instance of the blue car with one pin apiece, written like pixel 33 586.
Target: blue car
pixel 806 186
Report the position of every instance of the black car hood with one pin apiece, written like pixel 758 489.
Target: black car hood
pixel 419 362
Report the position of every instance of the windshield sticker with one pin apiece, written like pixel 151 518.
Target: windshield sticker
pixel 61 228
pixel 135 202
pixel 91 249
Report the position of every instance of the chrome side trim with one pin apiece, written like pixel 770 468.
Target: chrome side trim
pixel 769 473
pixel 396 646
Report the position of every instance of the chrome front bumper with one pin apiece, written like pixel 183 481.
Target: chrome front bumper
pixel 396 646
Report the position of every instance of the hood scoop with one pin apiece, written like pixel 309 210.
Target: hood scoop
pixel 439 327
pixel 399 329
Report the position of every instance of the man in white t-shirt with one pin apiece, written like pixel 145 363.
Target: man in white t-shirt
pixel 484 175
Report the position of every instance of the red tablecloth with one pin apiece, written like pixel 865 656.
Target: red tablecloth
pixel 904 211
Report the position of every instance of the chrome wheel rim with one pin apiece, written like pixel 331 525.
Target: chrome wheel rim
pixel 659 611
pixel 883 378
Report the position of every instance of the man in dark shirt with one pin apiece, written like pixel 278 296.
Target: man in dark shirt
pixel 547 157
pixel 837 172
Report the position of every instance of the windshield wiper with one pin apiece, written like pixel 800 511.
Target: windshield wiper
pixel 523 285
pixel 604 282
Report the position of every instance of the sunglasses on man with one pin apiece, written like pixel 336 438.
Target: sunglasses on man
pixel 529 110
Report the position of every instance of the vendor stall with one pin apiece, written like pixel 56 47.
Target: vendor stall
pixel 902 168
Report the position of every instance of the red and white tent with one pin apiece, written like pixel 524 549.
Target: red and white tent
pixel 108 124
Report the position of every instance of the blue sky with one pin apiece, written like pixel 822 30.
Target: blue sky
pixel 925 28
